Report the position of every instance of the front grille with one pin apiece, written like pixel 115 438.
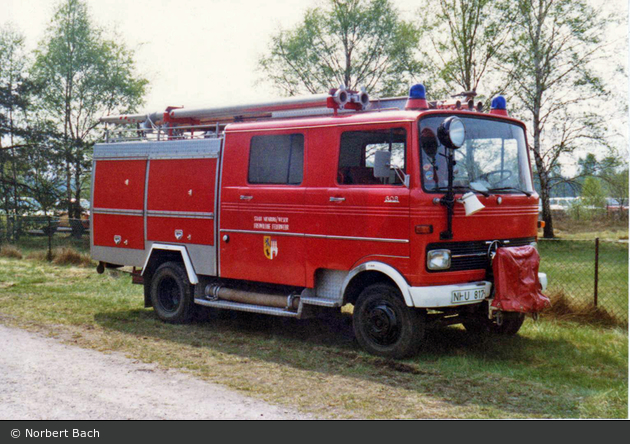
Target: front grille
pixel 472 255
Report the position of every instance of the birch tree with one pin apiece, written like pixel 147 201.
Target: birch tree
pixel 82 76
pixel 553 47
pixel 356 43
pixel 464 39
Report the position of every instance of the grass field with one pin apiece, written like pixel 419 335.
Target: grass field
pixel 551 369
pixel 569 265
pixel 608 228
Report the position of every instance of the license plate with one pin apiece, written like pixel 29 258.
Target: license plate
pixel 464 296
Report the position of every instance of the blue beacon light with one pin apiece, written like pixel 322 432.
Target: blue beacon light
pixel 499 106
pixel 417 97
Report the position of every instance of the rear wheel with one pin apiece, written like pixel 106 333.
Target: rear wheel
pixel 172 295
pixel 384 325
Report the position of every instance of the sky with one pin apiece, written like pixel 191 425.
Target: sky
pixel 203 53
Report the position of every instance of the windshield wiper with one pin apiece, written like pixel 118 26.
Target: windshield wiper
pixel 527 193
pixel 462 187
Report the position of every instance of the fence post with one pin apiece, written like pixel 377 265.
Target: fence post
pixel 596 271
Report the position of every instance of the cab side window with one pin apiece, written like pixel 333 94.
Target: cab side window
pixel 356 156
pixel 277 159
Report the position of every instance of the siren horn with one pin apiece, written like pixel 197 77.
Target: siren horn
pixel 341 96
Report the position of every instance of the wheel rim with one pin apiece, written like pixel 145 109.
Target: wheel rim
pixel 169 294
pixel 382 323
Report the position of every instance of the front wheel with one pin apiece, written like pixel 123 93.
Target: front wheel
pixel 511 324
pixel 384 325
pixel 172 294
pixel 480 324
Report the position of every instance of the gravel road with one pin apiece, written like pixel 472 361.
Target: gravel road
pixel 42 378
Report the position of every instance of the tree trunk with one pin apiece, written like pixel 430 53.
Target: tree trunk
pixel 75 221
pixel 546 213
pixel 543 177
pixel 543 173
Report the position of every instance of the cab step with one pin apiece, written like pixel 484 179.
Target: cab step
pixel 321 302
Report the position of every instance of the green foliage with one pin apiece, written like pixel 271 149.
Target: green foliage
pixel 594 195
pixel 588 165
pixel 617 184
pixel 43 175
pixel 592 201
pixel 81 76
pixel 553 48
pixel 15 96
pixel 13 79
pixel 356 43
pixel 614 174
pixel 577 210
pixel 464 39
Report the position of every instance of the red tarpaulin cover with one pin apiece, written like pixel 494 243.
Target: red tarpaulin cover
pixel 516 285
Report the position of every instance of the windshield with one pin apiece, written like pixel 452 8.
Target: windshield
pixel 492 158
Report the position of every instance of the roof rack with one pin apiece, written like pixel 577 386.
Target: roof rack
pixel 179 123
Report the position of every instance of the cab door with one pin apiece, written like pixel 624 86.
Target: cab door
pixel 262 219
pixel 366 218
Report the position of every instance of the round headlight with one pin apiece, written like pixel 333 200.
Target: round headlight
pixel 452 133
pixel 457 133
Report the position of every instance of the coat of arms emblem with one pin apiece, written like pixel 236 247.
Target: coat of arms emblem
pixel 270 247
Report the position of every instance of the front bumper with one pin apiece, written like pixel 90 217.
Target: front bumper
pixel 441 295
pixel 542 277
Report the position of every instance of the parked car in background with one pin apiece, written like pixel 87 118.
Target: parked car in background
pixel 616 205
pixel 561 203
pixel 613 203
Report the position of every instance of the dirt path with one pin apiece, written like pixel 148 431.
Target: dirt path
pixel 41 378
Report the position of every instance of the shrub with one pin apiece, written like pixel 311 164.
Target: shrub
pixel 10 251
pixel 40 255
pixel 70 256
pixel 565 307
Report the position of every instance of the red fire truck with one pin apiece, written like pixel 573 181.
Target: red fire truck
pixel 397 206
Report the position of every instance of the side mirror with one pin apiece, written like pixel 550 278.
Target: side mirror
pixel 429 142
pixel 452 133
pixel 382 161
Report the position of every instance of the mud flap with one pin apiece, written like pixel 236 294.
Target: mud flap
pixel 516 284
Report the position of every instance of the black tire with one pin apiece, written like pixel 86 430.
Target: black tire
pixel 480 324
pixel 172 295
pixel 511 324
pixel 384 325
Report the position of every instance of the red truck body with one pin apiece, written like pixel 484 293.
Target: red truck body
pixel 313 225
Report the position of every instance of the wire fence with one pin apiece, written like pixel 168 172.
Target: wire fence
pixel 30 234
pixel 587 278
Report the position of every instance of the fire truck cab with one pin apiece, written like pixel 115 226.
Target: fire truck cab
pixel 396 206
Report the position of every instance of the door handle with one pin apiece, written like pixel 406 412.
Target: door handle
pixel 337 199
pixel 244 197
